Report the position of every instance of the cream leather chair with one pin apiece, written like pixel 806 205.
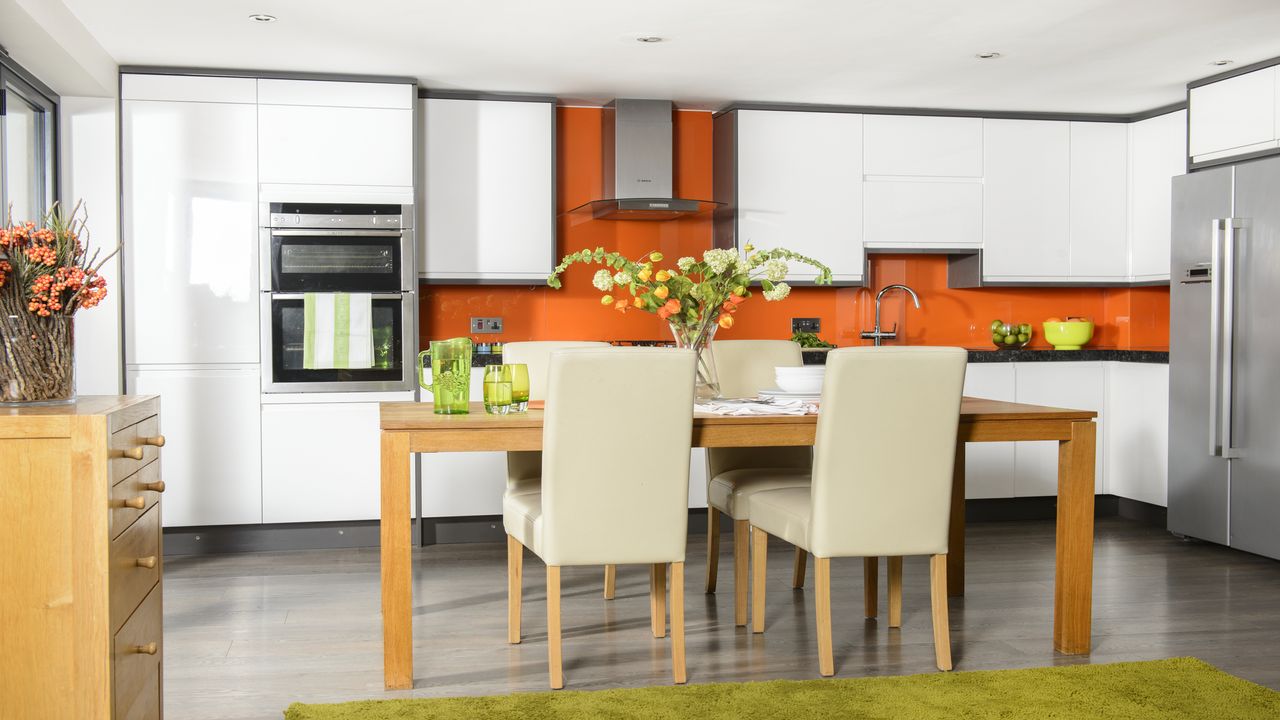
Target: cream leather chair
pixel 883 461
pixel 734 475
pixel 613 491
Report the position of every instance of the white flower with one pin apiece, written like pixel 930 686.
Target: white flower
pixel 622 278
pixel 779 291
pixel 685 263
pixel 602 280
pixel 719 260
pixel 775 270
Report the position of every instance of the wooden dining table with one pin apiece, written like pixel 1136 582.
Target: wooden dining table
pixel 409 427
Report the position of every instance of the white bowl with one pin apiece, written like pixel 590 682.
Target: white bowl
pixel 808 381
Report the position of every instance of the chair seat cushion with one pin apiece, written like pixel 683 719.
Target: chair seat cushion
pixel 522 518
pixel 731 492
pixel 783 513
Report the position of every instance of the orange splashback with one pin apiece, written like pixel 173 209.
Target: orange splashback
pixel 1126 318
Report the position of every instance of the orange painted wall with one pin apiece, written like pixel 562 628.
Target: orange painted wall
pixel 1126 318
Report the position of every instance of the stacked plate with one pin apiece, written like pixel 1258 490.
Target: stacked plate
pixel 797 383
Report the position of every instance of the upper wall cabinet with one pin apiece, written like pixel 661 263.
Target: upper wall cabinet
pixel 1235 116
pixel 488 196
pixel 1099 225
pixel 796 185
pixel 922 146
pixel 1026 205
pixel 1157 153
pixel 335 133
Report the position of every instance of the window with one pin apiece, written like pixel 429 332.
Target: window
pixel 28 143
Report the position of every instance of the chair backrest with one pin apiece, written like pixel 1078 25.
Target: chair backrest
pixel 537 355
pixel 744 368
pixel 615 456
pixel 885 451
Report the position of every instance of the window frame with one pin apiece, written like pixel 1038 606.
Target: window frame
pixel 14 78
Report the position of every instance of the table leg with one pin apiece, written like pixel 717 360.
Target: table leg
pixel 397 567
pixel 1073 575
pixel 955 543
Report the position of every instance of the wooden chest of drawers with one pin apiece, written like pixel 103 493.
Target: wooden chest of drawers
pixel 80 489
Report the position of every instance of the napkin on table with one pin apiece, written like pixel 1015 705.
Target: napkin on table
pixel 749 407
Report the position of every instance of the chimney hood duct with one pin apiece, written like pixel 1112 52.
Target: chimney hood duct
pixel 638 165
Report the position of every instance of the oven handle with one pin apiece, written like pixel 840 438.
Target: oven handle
pixel 337 233
pixel 375 296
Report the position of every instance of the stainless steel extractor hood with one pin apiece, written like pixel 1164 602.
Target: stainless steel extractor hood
pixel 638 165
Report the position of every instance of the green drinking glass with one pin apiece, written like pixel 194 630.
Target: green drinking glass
pixel 497 390
pixel 519 387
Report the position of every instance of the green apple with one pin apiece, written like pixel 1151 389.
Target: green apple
pixel 1024 329
pixel 996 325
pixel 1010 339
pixel 1023 337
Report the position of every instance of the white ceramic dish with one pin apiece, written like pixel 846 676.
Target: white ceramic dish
pixel 800 380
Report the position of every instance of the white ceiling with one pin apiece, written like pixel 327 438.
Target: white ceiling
pixel 1109 56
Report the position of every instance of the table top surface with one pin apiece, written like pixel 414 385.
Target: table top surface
pixel 419 416
pixel 84 405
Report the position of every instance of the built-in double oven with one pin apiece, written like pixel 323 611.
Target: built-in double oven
pixel 349 266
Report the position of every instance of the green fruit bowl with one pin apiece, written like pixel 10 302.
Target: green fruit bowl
pixel 1068 335
pixel 1010 336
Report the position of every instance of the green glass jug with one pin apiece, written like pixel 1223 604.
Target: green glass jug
pixel 450 384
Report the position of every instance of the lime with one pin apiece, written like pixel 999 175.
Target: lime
pixel 1010 339
pixel 1024 328
pixel 997 339
pixel 1023 337
pixel 996 325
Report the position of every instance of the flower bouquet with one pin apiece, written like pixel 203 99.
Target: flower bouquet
pixel 696 296
pixel 46 275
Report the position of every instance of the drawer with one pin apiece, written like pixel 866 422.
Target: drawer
pixel 137 655
pixel 133 447
pixel 135 495
pixel 131 554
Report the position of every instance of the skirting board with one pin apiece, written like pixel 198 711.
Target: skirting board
pixel 219 539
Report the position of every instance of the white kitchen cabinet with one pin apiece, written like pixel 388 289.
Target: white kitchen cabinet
pixel 1234 116
pixel 922 146
pixel 334 144
pixel 1137 428
pixel 921 213
pixel 1157 154
pixel 1073 385
pixel 799 187
pixel 1099 193
pixel 188 88
pixel 488 191
pixel 190 210
pixel 212 453
pixel 989 466
pixel 1026 200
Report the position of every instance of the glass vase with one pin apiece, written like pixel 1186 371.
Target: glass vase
pixel 698 338
pixel 37 359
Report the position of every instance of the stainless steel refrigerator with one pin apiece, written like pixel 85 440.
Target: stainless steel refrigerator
pixel 1224 357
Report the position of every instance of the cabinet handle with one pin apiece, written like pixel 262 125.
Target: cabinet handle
pixel 155 441
pixel 137 503
pixel 157 486
pixel 148 649
pixel 132 453
pixel 148 562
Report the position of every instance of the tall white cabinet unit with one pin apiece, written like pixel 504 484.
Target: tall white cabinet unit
pixel 487 204
pixel 1025 207
pixel 795 184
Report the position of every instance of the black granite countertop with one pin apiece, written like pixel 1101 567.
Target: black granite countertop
pixel 1085 355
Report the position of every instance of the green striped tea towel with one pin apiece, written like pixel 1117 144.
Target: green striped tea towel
pixel 337 331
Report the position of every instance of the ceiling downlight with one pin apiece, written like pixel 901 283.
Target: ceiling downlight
pixel 262 18
pixel 988 55
pixel 1220 63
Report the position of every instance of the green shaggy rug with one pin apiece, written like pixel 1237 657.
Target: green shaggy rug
pixel 1182 688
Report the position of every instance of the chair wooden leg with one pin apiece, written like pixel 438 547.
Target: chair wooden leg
pixel 895 591
pixel 871 586
pixel 713 548
pixel 677 622
pixel 515 580
pixel 741 556
pixel 554 663
pixel 797 573
pixel 941 622
pixel 759 560
pixel 610 581
pixel 822 606
pixel 658 599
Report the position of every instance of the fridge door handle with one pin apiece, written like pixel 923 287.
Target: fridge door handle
pixel 1226 389
pixel 1215 333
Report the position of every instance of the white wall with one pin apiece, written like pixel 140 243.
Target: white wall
pixel 89 160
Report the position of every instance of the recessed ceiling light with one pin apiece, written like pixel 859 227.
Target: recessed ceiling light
pixel 1221 62
pixel 650 39
pixel 989 55
pixel 262 18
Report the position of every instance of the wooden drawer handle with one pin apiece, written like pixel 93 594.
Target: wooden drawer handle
pixel 132 453
pixel 148 649
pixel 148 562
pixel 157 486
pixel 137 503
pixel 154 441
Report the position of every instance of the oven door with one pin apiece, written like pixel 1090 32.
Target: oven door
pixel 394 357
pixel 336 260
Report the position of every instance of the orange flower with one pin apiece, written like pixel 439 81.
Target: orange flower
pixel 737 299
pixel 725 321
pixel 664 313
pixel 672 306
pixel 621 307
pixel 638 302
pixel 661 292
pixel 662 276
pixel 644 275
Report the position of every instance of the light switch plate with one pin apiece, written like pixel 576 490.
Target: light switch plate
pixel 486 324
pixel 812 325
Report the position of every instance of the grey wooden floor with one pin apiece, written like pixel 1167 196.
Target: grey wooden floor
pixel 245 635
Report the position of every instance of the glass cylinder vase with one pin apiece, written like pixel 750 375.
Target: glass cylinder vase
pixel 698 337
pixel 37 359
